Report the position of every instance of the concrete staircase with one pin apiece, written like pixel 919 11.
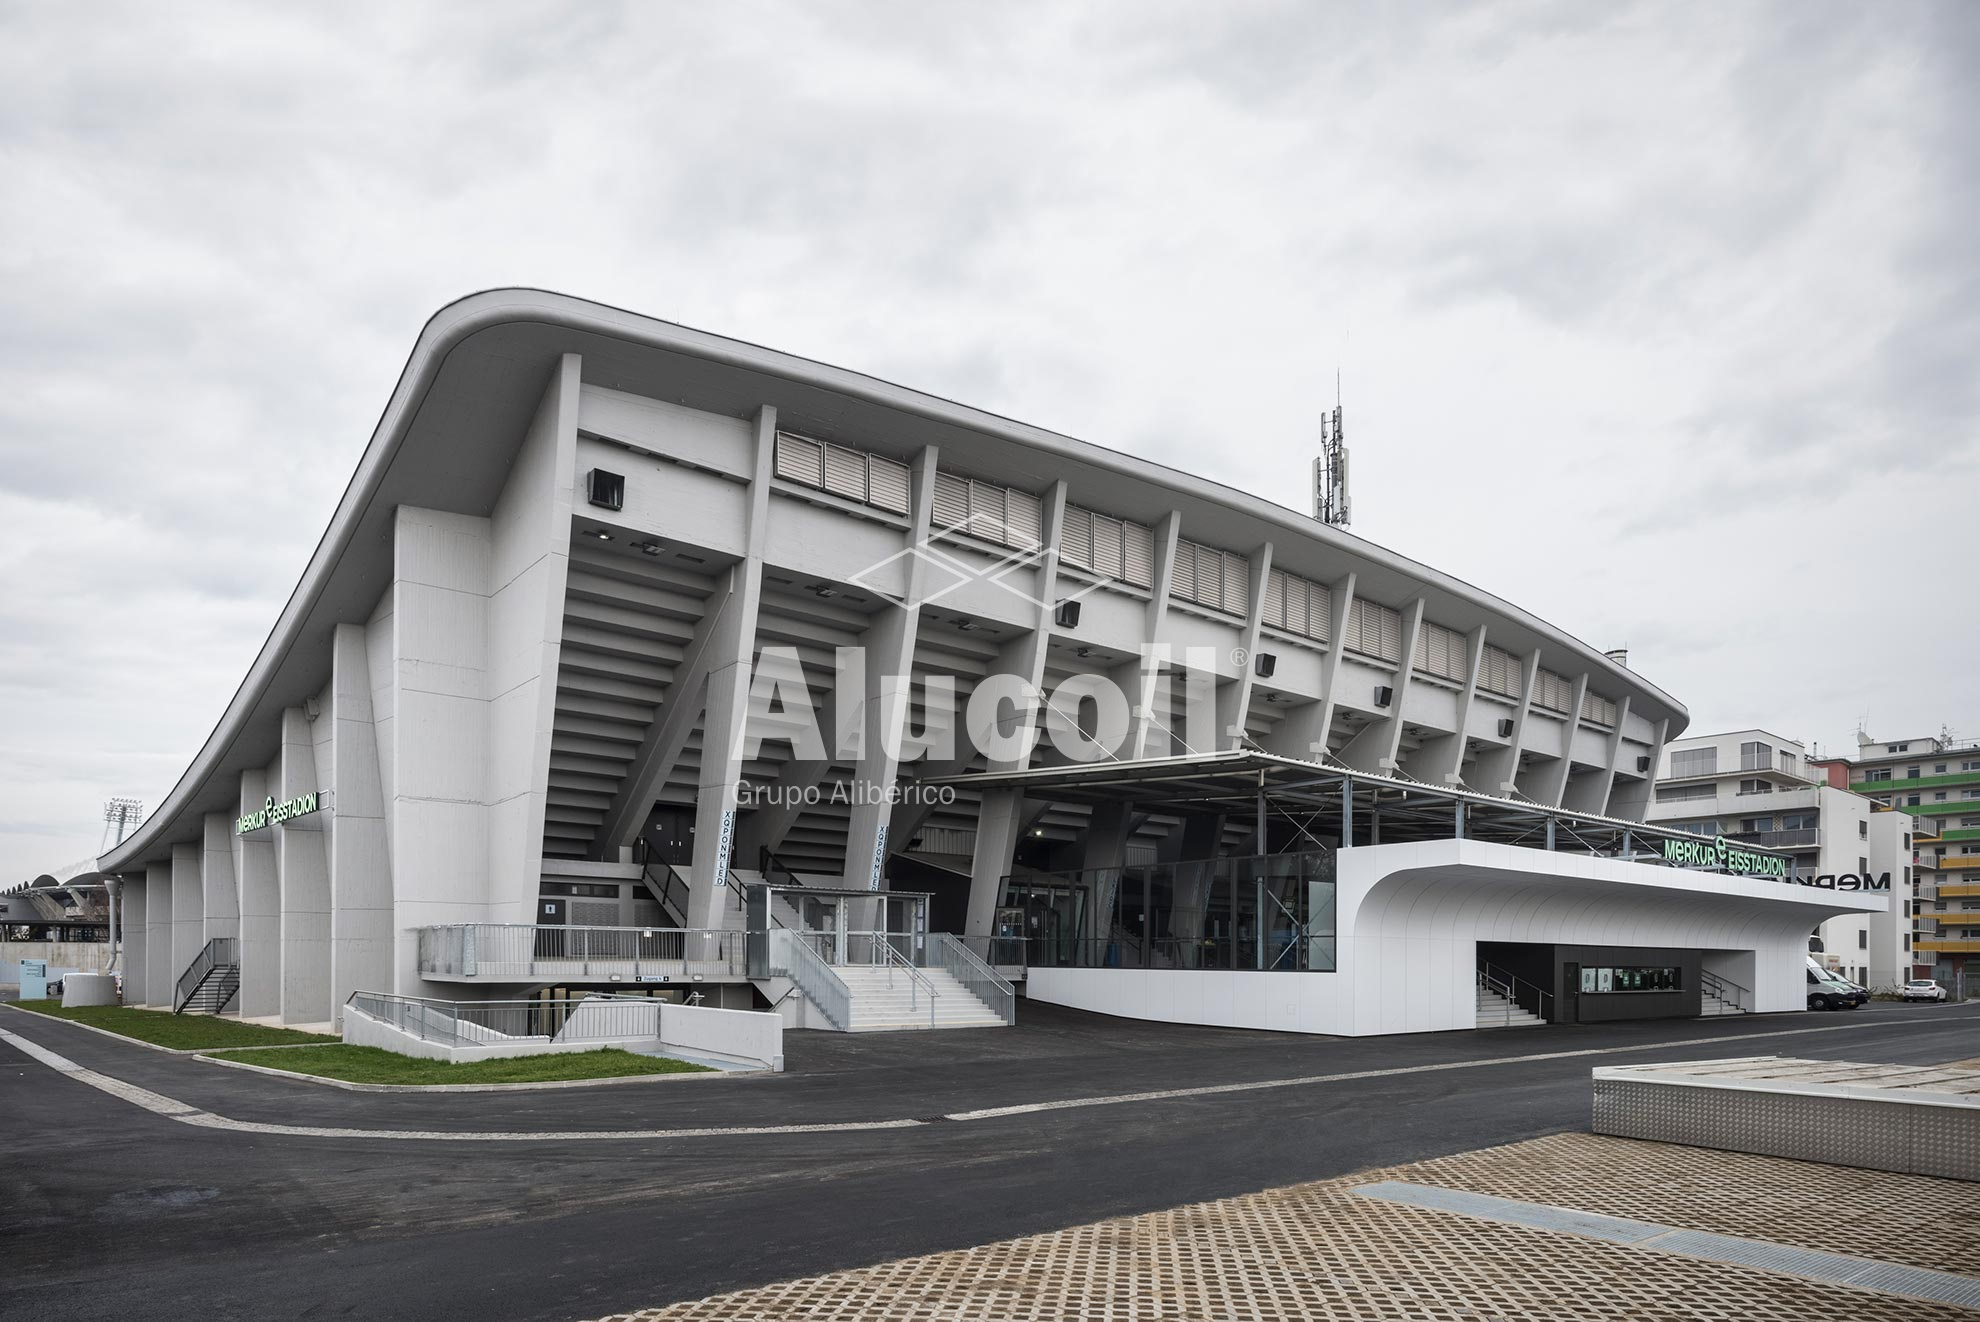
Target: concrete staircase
pixel 1495 1011
pixel 882 1005
pixel 1711 1006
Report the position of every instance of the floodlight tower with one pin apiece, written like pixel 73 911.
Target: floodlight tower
pixel 1330 473
pixel 124 814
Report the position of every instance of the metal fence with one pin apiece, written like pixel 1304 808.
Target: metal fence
pixel 541 1019
pixel 521 951
pixel 793 956
pixel 954 957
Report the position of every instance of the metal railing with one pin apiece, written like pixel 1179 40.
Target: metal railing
pixel 791 956
pixel 1726 990
pixel 663 880
pixel 1517 993
pixel 885 956
pixel 599 1018
pixel 954 957
pixel 521 952
pixel 220 952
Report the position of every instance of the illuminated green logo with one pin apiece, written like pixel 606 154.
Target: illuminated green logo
pixel 272 812
pixel 1721 853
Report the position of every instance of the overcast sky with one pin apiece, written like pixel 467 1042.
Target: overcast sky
pixel 1660 321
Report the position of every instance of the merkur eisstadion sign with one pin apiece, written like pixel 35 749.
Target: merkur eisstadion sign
pixel 272 812
pixel 1724 855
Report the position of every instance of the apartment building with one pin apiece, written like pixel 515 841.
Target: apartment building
pixel 1758 788
pixel 1935 782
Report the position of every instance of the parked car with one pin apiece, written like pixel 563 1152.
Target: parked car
pixel 1826 991
pixel 1923 989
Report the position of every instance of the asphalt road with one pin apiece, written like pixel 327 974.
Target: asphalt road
pixel 110 1211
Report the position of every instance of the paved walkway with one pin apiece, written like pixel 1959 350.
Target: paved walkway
pixel 1329 1250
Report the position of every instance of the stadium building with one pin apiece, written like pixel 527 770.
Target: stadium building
pixel 637 657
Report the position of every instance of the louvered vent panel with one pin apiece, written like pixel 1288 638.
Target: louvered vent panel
pixel 1110 547
pixel 1237 584
pixel 845 473
pixel 1274 611
pixel 1021 520
pixel 1182 581
pixel 1500 672
pixel 800 460
pixel 888 483
pixel 1139 565
pixel 951 503
pixel 1076 538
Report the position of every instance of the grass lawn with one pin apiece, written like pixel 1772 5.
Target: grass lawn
pixel 376 1065
pixel 181 1032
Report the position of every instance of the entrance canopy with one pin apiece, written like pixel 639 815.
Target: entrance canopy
pixel 1305 804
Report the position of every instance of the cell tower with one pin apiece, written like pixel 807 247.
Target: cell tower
pixel 1330 473
pixel 123 814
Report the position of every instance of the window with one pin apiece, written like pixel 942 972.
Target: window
pixel 1862 939
pixel 1799 821
pixel 1756 756
pixel 1969 794
pixel 1862 865
pixel 1694 762
pixel 1911 773
pixel 1911 801
pixel 1897 748
pixel 1939 770
pixel 1862 830
pixel 1755 825
pixel 1595 981
pixel 1969 766
pixel 1881 773
pixel 1787 760
pixel 1969 821
pixel 1938 796
pixel 1679 793
pixel 1756 787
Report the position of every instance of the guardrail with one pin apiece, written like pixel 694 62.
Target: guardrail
pixel 955 958
pixel 1517 991
pixel 791 956
pixel 600 1018
pixel 523 952
pixel 1725 989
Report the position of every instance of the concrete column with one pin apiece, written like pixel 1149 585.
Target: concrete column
pixel 1302 732
pixel 887 701
pixel 1553 786
pixel 731 645
pixel 1234 698
pixel 1497 769
pixel 360 863
pixel 261 909
pixel 1374 747
pixel 1590 794
pixel 137 943
pixel 1439 760
pixel 305 874
pixel 188 908
pixel 998 823
pixel 1145 737
pixel 1633 800
pixel 160 975
pixel 221 896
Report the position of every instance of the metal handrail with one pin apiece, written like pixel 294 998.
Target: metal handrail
pixel 976 976
pixel 221 950
pixel 521 951
pixel 479 1023
pixel 1508 985
pixel 793 958
pixel 1719 986
pixel 917 980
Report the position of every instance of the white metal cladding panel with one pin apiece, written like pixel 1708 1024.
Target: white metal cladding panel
pixel 1374 630
pixel 1552 691
pixel 800 460
pixel 951 502
pixel 1138 563
pixel 845 473
pixel 1022 520
pixel 1500 672
pixel 1076 538
pixel 888 483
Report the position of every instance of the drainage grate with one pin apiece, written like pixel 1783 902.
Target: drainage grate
pixel 1809 1264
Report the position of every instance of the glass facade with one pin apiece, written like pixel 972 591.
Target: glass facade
pixel 1273 912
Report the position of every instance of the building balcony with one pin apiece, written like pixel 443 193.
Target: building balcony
pixel 1953 917
pixel 1799 838
pixel 1955 890
pixel 1947 945
pixel 521 953
pixel 1958 863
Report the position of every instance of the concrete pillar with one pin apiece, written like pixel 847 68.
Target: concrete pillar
pixel 360 863
pixel 998 823
pixel 305 886
pixel 1590 793
pixel 220 896
pixel 1497 769
pixel 261 909
pixel 731 644
pixel 160 975
pixel 1553 785
pixel 137 944
pixel 188 908
pixel 1439 760
pixel 1234 698
pixel 887 700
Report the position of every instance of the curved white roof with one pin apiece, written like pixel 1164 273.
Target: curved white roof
pixel 451 427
